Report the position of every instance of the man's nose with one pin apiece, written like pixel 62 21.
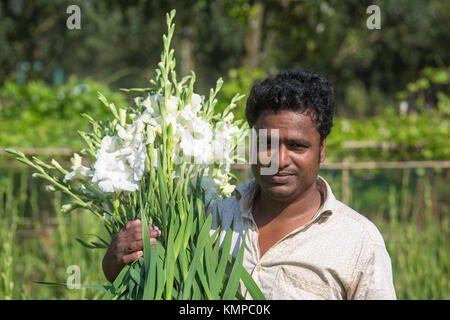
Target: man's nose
pixel 283 157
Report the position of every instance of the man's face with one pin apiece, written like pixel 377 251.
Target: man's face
pixel 299 155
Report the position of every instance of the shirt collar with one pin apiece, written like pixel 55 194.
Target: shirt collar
pixel 245 194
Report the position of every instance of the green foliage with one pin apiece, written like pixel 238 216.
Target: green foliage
pixel 327 36
pixel 36 241
pixel 331 37
pixel 40 115
pixel 410 209
pixel 239 80
pixel 174 268
pixel 415 134
pixel 416 237
pixel 411 137
pixel 420 130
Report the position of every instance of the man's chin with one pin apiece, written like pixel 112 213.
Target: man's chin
pixel 281 192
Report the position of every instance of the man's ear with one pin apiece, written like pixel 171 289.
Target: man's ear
pixel 322 150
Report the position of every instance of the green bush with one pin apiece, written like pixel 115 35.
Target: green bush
pixel 40 115
pixel 238 80
pixel 419 130
pixel 412 137
pixel 420 133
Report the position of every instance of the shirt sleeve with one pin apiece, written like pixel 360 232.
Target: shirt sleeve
pixel 374 281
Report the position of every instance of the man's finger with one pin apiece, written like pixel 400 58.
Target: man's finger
pixel 132 247
pixel 132 224
pixel 135 233
pixel 155 231
pixel 132 256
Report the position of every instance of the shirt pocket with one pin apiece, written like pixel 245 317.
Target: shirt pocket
pixel 294 283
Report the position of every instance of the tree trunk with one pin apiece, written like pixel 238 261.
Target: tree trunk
pixel 252 39
pixel 187 62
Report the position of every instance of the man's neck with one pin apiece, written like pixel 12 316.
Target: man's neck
pixel 301 209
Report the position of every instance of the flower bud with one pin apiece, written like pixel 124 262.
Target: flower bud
pixel 123 116
pixel 76 160
pixel 67 208
pixel 50 188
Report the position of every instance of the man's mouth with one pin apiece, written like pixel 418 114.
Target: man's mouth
pixel 284 173
pixel 281 177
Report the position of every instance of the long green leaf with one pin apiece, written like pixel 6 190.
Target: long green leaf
pixel 235 275
pixel 202 238
pixel 211 261
pixel 114 288
pixel 251 286
pixel 225 256
pixel 98 287
pixel 149 261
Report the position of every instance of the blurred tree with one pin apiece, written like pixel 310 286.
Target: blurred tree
pixel 120 42
pixel 331 37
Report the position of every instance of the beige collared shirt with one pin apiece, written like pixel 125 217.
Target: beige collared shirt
pixel 338 254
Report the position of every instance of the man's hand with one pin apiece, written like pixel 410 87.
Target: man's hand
pixel 125 247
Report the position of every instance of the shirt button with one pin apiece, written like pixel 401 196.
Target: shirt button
pixel 258 268
pixel 254 228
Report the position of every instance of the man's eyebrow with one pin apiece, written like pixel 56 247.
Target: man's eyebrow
pixel 299 141
pixel 295 140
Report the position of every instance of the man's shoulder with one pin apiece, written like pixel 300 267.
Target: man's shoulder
pixel 347 222
pixel 240 200
pixel 225 211
pixel 228 205
pixel 357 224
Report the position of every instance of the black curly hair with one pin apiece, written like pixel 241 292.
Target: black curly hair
pixel 296 90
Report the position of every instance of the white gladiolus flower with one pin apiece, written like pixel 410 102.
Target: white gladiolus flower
pixel 223 142
pixel 221 180
pixel 121 159
pixel 172 105
pixel 210 188
pixel 196 135
pixel 196 148
pixel 151 103
pixel 78 172
pixel 152 114
pixel 111 171
pixel 195 102
pixel 228 189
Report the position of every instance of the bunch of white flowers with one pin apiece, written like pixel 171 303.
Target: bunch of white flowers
pixel 120 159
pixel 164 160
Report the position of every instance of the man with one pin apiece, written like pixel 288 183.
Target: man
pixel 301 243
